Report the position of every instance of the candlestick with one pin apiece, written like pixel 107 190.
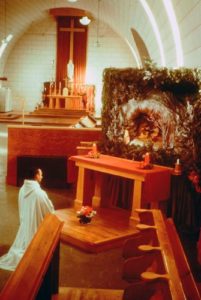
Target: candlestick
pixel 94 148
pixel 53 70
pixel 177 169
pixel 65 91
pixel 147 159
pixel 55 88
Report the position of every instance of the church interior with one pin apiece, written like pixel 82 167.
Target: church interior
pixel 105 97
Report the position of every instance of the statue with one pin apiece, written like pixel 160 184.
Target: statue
pixel 70 70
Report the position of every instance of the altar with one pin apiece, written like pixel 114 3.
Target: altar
pixel 70 102
pixel 75 97
pixel 149 186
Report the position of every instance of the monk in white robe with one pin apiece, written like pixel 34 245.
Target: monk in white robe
pixel 33 204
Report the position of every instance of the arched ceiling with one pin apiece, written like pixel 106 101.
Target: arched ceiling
pixel 163 25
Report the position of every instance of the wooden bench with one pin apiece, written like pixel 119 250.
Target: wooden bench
pixel 36 276
pixel 177 273
pixel 183 267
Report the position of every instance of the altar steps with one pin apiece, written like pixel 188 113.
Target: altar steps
pixel 8 115
pixel 46 112
pixel 40 120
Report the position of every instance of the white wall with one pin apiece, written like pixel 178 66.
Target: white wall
pixel 190 27
pixel 27 60
pixel 111 52
pixel 30 62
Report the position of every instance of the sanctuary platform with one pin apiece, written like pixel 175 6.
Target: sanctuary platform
pixel 43 117
pixel 109 228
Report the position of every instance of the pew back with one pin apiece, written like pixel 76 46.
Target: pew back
pixel 36 276
pixel 183 267
pixel 177 272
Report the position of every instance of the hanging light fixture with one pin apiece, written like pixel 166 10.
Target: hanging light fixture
pixel 72 1
pixel 85 20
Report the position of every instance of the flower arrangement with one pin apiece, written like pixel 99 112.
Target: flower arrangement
pixel 85 214
pixel 92 154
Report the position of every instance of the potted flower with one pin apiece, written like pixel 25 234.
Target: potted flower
pixel 85 214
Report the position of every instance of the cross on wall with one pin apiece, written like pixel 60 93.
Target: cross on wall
pixel 72 29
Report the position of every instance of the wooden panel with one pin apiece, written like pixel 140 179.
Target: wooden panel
pixel 89 294
pixel 184 270
pixel 26 280
pixel 46 141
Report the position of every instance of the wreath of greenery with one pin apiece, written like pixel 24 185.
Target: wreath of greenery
pixel 183 88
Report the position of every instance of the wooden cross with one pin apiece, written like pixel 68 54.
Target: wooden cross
pixel 72 30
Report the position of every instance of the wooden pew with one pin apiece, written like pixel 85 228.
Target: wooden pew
pixel 134 267
pixel 177 273
pixel 183 267
pixel 36 276
pixel 131 245
pixel 199 249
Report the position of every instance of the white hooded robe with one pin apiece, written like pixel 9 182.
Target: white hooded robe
pixel 33 205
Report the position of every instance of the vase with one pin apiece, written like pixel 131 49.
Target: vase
pixel 84 220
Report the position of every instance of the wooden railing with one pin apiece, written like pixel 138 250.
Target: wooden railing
pixel 36 276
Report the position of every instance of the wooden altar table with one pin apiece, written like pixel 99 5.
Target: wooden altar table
pixel 150 186
pixel 70 102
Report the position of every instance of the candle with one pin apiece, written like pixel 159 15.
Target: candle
pixel 177 169
pixel 94 148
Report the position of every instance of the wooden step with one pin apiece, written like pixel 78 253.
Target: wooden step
pixel 60 112
pixel 77 293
